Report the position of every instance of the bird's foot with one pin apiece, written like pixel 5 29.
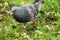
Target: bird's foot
pixel 34 22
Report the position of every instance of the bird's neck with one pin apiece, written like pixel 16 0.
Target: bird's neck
pixel 39 4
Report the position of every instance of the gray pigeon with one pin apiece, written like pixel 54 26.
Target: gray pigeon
pixel 26 13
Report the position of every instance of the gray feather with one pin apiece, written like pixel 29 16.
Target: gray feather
pixel 30 11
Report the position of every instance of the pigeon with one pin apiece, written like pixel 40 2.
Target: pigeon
pixel 27 13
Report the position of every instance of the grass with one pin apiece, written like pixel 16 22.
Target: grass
pixel 45 28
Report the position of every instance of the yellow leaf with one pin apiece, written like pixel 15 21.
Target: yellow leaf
pixel 0 29
pixel 6 4
pixel 22 2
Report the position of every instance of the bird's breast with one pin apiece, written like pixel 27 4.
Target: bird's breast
pixel 22 16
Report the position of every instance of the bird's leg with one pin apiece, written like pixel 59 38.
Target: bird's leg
pixel 34 21
pixel 34 25
pixel 24 25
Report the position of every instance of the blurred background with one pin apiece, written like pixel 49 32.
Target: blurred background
pixel 46 28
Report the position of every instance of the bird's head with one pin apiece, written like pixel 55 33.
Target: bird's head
pixel 41 1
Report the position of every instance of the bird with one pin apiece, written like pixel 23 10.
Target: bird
pixel 27 13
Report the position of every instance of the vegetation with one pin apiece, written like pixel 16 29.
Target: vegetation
pixel 46 28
